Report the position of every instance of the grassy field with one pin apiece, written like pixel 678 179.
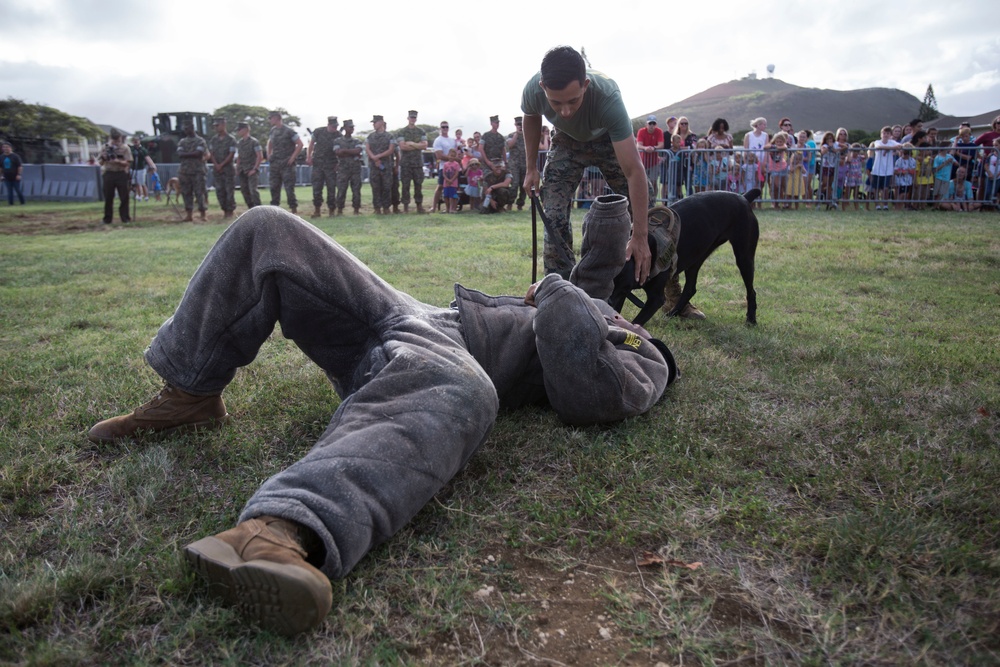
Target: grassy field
pixel 821 489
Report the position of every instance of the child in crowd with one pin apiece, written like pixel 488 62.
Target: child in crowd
pixel 776 162
pixel 943 163
pixel 925 177
pixel 991 165
pixel 718 170
pixel 854 166
pixel 905 170
pixel 451 171
pixel 960 193
pixel 796 178
pixel 154 182
pixel 699 168
pixel 829 162
pixel 676 176
pixel 750 174
pixel 735 175
pixel 473 174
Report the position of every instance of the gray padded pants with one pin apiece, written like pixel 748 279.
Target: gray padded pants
pixel 416 404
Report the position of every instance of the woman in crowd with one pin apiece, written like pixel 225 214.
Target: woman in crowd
pixel 718 136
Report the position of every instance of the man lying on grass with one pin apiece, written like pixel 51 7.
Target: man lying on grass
pixel 421 387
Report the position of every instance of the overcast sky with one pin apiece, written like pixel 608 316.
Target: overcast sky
pixel 118 62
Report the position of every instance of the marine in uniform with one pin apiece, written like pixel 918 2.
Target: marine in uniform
pixel 493 144
pixel 191 150
pixel 222 148
pixel 412 142
pixel 496 184
pixel 516 163
pixel 348 150
pixel 249 155
pixel 380 146
pixel 283 147
pixel 323 160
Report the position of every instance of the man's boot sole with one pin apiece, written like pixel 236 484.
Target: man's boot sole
pixel 213 424
pixel 280 598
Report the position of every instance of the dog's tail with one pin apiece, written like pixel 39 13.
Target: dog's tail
pixel 750 195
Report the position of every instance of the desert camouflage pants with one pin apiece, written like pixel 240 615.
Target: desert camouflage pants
pixel 349 174
pixel 564 167
pixel 225 188
pixel 193 190
pixel 282 174
pixel 415 173
pixel 248 186
pixel 324 175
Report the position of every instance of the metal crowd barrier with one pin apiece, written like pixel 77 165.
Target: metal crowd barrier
pixel 845 183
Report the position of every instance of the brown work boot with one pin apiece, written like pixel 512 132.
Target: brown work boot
pixel 395 209
pixel 204 215
pixel 340 211
pixel 189 217
pixel 673 294
pixel 294 210
pixel 421 209
pixel 357 210
pixel 317 211
pixel 170 411
pixel 259 566
pixel 406 208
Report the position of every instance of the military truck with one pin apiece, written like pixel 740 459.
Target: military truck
pixel 168 128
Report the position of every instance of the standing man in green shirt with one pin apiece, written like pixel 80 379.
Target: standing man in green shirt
pixel 594 130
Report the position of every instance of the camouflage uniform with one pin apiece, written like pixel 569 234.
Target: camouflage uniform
pixel 380 178
pixel 395 179
pixel 348 173
pixel 221 146
pixel 282 140
pixel 502 196
pixel 411 165
pixel 247 150
pixel 191 172
pixel 494 146
pixel 324 167
pixel 517 165
pixel 564 166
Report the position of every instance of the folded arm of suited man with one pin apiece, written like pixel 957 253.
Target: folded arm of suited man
pixel 420 385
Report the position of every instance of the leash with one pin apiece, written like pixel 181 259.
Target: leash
pixel 534 236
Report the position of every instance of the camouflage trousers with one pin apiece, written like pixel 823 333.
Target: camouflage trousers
pixel 324 175
pixel 415 173
pixel 503 196
pixel 564 168
pixel 517 182
pixel 193 189
pixel 381 182
pixel 225 188
pixel 395 187
pixel 349 173
pixel 282 174
pixel 248 186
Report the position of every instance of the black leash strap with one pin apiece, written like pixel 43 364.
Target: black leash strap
pixel 534 236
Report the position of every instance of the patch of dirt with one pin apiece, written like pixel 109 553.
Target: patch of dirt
pixel 551 614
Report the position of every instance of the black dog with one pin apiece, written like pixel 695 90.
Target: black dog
pixel 708 219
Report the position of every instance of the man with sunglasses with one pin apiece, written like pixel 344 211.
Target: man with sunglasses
pixel 594 130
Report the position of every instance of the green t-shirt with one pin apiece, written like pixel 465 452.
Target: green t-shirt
pixel 602 110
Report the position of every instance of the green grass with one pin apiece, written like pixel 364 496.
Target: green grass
pixel 835 469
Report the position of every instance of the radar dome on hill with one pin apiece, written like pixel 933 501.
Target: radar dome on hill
pixel 770 70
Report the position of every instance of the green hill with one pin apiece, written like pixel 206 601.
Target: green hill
pixel 742 100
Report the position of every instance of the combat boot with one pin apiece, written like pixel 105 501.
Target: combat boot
pixel 170 411
pixel 406 208
pixel 317 211
pixel 673 294
pixel 421 209
pixel 204 216
pixel 395 209
pixel 294 210
pixel 357 210
pixel 260 567
pixel 340 211
pixel 187 218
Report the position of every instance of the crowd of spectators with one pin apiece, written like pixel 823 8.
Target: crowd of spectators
pixel 907 167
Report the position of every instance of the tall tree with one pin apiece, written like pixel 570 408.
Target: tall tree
pixel 928 108
pixel 20 119
pixel 256 118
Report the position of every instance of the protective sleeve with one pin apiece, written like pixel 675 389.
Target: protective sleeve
pixel 593 373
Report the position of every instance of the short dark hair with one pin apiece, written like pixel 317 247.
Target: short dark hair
pixel 561 66
pixel 915 121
